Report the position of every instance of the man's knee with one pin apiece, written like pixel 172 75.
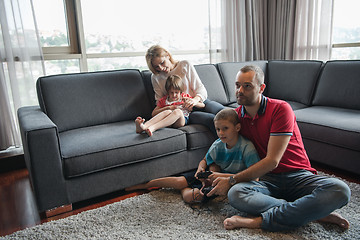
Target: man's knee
pixel 236 195
pixel 342 192
pixel 335 192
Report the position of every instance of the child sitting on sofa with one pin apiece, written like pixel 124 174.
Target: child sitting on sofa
pixel 170 110
pixel 230 154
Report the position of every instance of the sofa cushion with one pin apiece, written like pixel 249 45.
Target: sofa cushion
pixel 228 72
pixel 296 105
pixel 335 126
pixel 146 75
pixel 339 85
pixel 87 99
pixel 293 80
pixel 93 149
pixel 198 136
pixel 213 83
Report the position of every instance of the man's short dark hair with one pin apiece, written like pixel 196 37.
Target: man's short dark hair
pixel 259 74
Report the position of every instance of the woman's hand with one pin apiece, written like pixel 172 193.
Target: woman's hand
pixel 189 103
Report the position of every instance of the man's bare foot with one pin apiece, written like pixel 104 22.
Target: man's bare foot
pixel 336 219
pixel 242 222
pixel 139 122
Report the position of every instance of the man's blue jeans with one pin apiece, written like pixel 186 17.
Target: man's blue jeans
pixel 289 200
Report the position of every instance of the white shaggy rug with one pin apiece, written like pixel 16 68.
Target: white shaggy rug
pixel 161 214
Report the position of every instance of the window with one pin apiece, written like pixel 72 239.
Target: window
pixel 116 34
pixel 346 30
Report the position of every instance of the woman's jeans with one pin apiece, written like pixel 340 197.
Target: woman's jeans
pixel 289 200
pixel 206 115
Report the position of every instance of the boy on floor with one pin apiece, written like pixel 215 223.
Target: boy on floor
pixel 229 154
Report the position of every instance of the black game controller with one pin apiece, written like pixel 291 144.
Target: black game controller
pixel 204 175
pixel 206 190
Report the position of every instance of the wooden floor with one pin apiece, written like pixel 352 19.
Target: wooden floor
pixel 18 208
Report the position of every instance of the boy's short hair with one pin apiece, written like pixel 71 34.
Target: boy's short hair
pixel 228 114
pixel 175 82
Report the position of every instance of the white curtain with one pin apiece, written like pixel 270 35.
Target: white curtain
pixel 244 30
pixel 313 30
pixel 281 20
pixel 276 29
pixel 21 65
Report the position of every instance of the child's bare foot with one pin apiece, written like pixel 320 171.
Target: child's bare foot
pixel 148 131
pixel 242 222
pixel 139 122
pixel 336 219
pixel 136 187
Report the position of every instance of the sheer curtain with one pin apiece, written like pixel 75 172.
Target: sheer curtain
pixel 279 29
pixel 313 29
pixel 244 30
pixel 281 21
pixel 21 65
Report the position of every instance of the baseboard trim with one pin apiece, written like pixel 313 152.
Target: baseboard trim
pixel 58 210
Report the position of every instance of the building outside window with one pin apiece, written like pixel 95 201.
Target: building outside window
pixel 88 36
pixel 83 35
pixel 346 30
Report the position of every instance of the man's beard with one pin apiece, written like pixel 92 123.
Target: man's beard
pixel 244 100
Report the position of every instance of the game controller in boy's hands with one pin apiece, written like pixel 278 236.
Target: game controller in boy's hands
pixel 204 175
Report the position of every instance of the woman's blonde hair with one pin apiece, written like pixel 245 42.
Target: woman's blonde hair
pixel 155 52
pixel 175 82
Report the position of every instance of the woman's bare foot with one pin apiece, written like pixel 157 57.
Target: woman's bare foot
pixel 336 219
pixel 242 222
pixel 139 122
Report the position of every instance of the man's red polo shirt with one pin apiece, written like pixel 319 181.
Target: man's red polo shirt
pixel 275 118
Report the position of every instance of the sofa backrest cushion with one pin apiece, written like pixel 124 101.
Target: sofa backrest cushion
pixel 210 77
pixel 228 72
pixel 339 85
pixel 146 75
pixel 293 80
pixel 87 99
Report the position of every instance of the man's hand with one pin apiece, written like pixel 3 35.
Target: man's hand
pixel 216 175
pixel 221 186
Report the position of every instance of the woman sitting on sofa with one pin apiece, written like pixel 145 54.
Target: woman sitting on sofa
pixel 162 65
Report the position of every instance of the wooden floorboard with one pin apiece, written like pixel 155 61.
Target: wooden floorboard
pixel 18 207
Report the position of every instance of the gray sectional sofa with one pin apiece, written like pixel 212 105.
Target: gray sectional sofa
pixel 80 142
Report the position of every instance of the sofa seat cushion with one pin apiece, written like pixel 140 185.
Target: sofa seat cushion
pixel 198 136
pixel 93 149
pixel 336 126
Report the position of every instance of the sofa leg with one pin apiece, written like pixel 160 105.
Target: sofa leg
pixel 58 210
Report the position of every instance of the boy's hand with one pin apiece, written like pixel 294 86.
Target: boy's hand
pixel 200 169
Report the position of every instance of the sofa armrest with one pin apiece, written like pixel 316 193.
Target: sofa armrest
pixel 43 158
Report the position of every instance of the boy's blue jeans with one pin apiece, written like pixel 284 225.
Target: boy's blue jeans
pixel 289 200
